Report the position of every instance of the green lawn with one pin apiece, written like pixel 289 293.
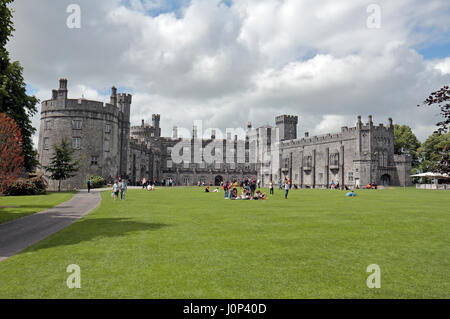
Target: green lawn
pixel 12 207
pixel 183 243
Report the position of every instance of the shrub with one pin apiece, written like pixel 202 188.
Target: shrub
pixel 26 186
pixel 97 181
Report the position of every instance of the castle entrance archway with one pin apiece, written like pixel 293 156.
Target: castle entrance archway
pixel 218 180
pixel 385 180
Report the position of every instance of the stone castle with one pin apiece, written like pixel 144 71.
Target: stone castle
pixel 106 144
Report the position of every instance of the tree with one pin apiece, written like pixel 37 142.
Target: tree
pixel 11 158
pixel 429 153
pixel 405 142
pixel 62 166
pixel 14 100
pixel 441 98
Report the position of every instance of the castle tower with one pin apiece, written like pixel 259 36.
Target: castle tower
pixel 113 100
pixel 155 123
pixel 287 125
pixel 62 91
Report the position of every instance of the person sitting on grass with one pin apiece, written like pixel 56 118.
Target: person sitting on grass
pixel 233 194
pixel 244 195
pixel 216 190
pixel 351 194
pixel 259 195
pixel 368 186
pixel 207 189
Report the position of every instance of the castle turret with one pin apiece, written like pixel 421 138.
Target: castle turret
pixel 287 125
pixel 155 120
pixel 155 124
pixel 175 132
pixel 113 96
pixel 62 91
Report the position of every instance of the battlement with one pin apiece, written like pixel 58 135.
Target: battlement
pixel 289 119
pixel 369 125
pixel 345 134
pixel 124 98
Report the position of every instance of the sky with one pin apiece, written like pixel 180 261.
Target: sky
pixel 231 62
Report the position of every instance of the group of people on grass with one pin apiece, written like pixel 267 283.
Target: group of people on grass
pixel 248 189
pixel 169 182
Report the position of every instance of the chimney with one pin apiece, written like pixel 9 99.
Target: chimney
pixel 143 122
pixel 306 134
pixel 390 122
pixel 54 94
pixel 62 92
pixel 175 132
pixel 113 99
pixel 370 120
pixel 194 131
pixel 63 84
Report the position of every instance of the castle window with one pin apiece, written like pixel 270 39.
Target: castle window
pixel 94 160
pixel 202 165
pixel 108 128
pixel 233 166
pixel 186 164
pixel 217 165
pixel 350 176
pixel 307 161
pixel 169 151
pixel 106 146
pixel 48 125
pixel 334 159
pixel 186 180
pixel 77 124
pixel 169 164
pixel 76 142
pixel 45 143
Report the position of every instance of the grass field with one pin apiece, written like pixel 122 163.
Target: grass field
pixel 12 207
pixel 183 243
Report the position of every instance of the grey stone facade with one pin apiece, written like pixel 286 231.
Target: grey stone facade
pixel 108 146
pixel 99 133
pixel 353 157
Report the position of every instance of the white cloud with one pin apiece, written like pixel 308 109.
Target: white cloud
pixel 248 62
pixel 443 66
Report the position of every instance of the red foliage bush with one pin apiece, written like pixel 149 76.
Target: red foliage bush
pixel 11 155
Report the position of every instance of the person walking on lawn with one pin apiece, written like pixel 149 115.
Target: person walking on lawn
pixel 286 189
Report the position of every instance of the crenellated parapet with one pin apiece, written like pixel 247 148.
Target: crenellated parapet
pixel 287 119
pixel 346 133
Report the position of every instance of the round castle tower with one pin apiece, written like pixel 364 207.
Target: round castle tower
pixel 82 122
